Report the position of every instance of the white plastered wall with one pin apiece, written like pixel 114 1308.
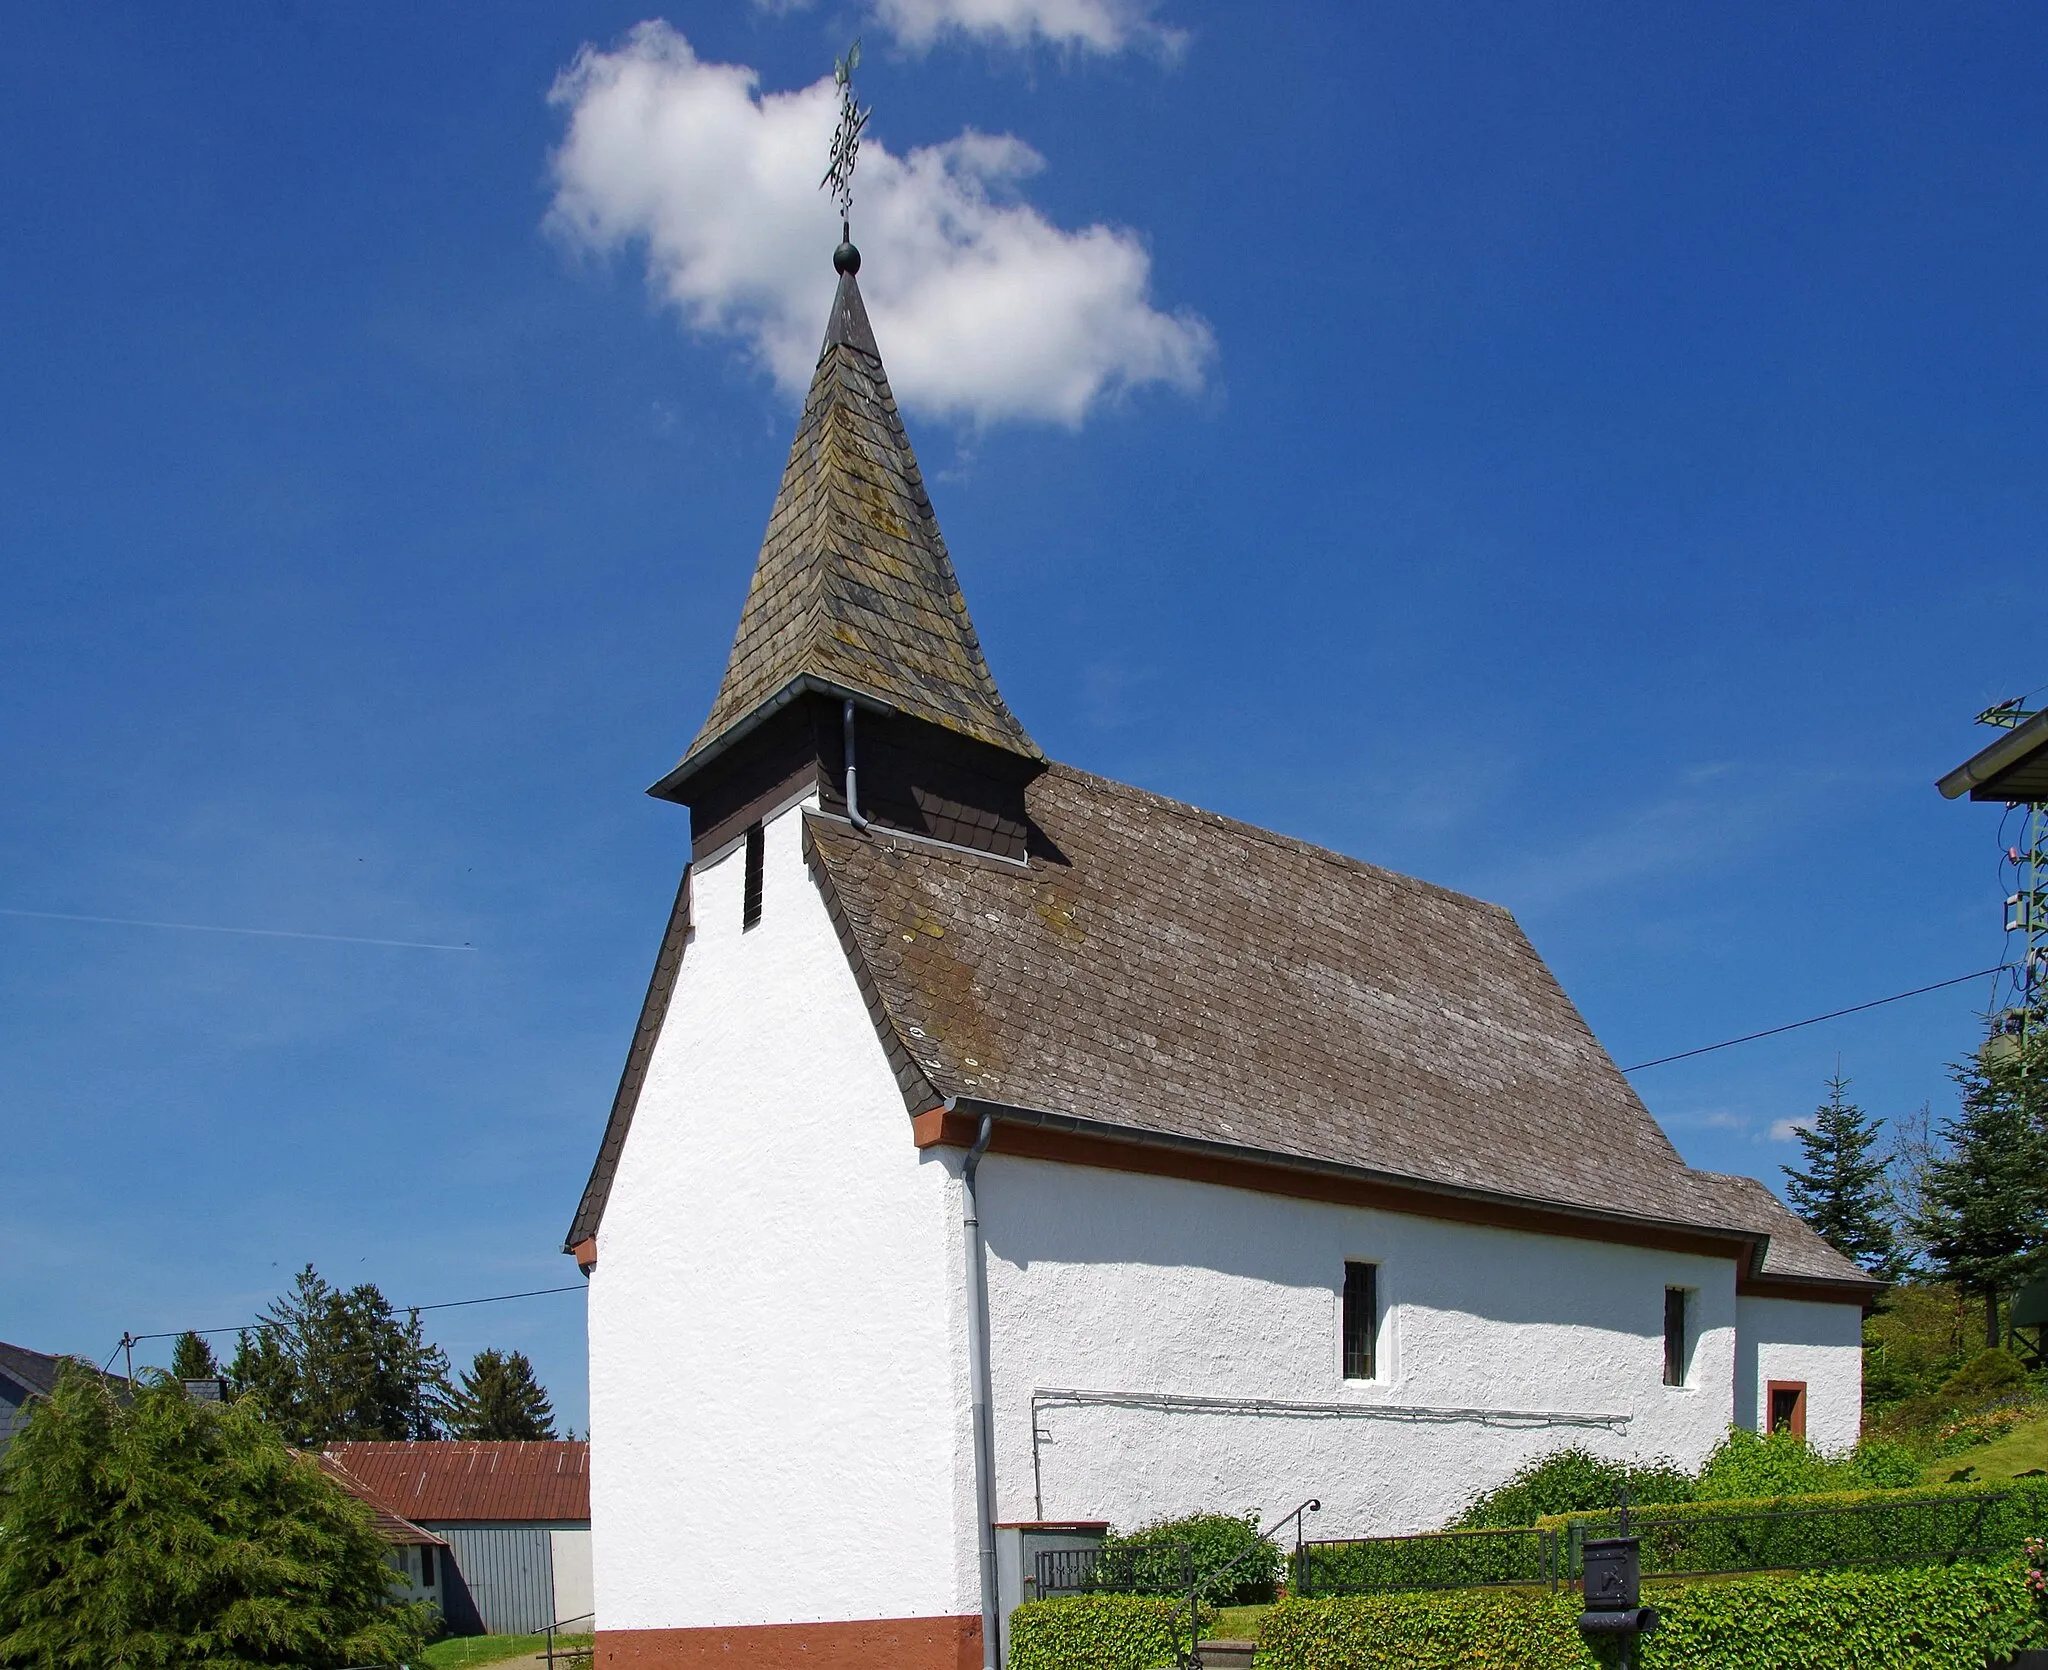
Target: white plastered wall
pixel 1819 1345
pixel 776 1314
pixel 1110 1282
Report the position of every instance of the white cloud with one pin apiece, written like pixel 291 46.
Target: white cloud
pixel 983 308
pixel 1784 1130
pixel 1091 25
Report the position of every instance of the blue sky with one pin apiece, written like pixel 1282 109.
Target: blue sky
pixel 1586 455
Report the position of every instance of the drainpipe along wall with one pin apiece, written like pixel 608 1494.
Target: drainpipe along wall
pixel 978 1375
pixel 852 770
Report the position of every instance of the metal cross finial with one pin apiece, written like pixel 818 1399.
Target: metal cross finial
pixel 846 140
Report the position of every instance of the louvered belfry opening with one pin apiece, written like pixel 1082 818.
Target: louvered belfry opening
pixel 750 893
pixel 854 596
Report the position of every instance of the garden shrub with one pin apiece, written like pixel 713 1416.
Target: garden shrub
pixel 1748 1464
pixel 1099 1632
pixel 1990 1372
pixel 1215 1539
pixel 1568 1480
pixel 1896 1527
pixel 1926 1618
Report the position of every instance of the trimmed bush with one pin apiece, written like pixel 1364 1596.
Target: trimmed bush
pixel 1891 1527
pixel 1570 1480
pixel 1099 1632
pixel 1215 1539
pixel 1447 1560
pixel 1927 1618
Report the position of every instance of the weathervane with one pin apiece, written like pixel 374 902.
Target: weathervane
pixel 846 140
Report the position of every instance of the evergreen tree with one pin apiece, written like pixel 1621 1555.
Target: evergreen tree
pixel 1984 1215
pixel 192 1359
pixel 168 1532
pixel 500 1398
pixel 327 1364
pixel 1841 1193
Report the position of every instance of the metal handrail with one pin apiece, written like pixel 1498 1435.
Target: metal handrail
pixel 1196 1586
pixel 561 1624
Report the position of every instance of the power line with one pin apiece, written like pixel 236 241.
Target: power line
pixel 445 1304
pixel 1815 1020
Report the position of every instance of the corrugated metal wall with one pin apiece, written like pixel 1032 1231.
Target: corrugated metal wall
pixel 509 1572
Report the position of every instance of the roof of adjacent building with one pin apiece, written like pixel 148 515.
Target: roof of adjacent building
pixel 454 1480
pixel 1180 973
pixel 389 1524
pixel 854 591
pixel 2015 767
pixel 34 1372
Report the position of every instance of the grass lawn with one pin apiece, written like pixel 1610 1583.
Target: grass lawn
pixel 2019 1451
pixel 464 1652
pixel 1237 1623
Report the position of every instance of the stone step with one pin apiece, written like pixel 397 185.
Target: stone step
pixel 1228 1655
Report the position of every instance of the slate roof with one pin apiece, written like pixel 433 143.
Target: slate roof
pixel 25 1375
pixel 1155 967
pixel 854 588
pixel 1188 975
pixel 458 1480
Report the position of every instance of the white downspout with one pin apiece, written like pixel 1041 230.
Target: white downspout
pixel 978 1375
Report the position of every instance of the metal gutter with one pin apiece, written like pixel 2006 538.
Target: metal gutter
pixel 804 684
pixel 1754 1243
pixel 2008 751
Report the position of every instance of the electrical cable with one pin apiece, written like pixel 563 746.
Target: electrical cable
pixel 445 1304
pixel 1815 1020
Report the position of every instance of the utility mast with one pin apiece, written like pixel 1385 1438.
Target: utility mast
pixel 2014 770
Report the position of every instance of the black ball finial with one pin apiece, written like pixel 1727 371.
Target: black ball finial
pixel 846 259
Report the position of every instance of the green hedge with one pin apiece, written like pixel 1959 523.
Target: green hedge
pixel 1099 1632
pixel 1926 1618
pixel 1445 1560
pixel 1887 1527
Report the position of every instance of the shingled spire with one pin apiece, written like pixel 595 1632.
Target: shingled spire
pixel 853 592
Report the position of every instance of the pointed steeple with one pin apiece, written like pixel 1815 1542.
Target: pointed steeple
pixel 853 592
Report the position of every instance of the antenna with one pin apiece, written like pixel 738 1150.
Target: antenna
pixel 838 178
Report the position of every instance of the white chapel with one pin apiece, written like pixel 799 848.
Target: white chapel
pixel 1002 1146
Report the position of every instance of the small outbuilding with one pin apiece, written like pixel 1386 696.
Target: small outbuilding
pixel 504 1528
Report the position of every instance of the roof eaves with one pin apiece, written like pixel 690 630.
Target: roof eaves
pixel 661 984
pixel 2014 748
pixel 1141 1136
pixel 803 684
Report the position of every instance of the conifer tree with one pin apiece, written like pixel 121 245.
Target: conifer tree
pixel 1841 1193
pixel 1984 1214
pixel 328 1364
pixel 192 1359
pixel 500 1398
pixel 168 1532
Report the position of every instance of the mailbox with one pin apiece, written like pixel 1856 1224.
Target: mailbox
pixel 1614 1581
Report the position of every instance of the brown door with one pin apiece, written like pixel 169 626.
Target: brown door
pixel 1787 1399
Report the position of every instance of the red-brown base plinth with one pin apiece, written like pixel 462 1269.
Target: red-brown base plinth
pixel 875 1644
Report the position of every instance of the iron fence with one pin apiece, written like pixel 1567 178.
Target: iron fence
pixel 1162 1570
